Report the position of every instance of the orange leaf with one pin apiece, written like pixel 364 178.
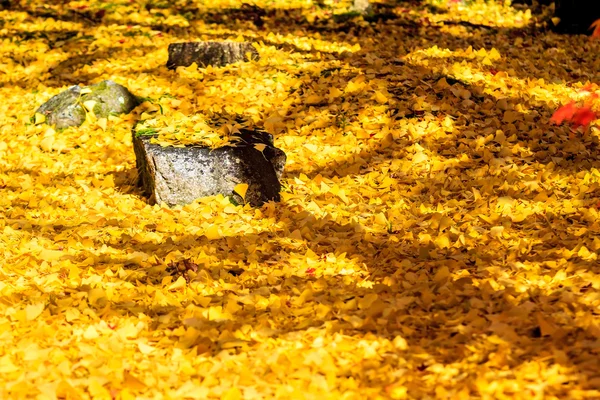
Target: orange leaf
pixel 596 27
pixel 589 87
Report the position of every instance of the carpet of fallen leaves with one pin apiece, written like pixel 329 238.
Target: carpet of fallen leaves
pixel 437 236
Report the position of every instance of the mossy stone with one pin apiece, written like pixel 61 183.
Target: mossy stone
pixel 66 108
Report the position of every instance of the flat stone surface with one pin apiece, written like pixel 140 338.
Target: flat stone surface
pixel 175 175
pixel 217 54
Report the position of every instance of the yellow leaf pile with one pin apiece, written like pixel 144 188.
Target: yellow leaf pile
pixel 437 237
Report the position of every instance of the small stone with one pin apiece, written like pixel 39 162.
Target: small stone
pixel 175 175
pixel 67 108
pixel 216 54
pixel 362 6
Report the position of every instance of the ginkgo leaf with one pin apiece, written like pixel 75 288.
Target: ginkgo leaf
pixel 400 343
pixel 381 219
pixel 441 274
pixel 39 118
pixel 260 146
pixel 145 348
pixel 89 105
pixel 32 311
pixel 419 158
pixel 241 189
pixel 232 394
pixel 380 97
pixel 91 333
pixel 102 123
pixel 212 232
pixel 442 241
pixel 131 382
pixel 497 231
pixel 314 99
pixel 335 92
pixel 178 284
pixel 47 143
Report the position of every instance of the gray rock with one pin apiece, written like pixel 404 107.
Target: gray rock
pixel 362 6
pixel 175 175
pixel 217 54
pixel 66 108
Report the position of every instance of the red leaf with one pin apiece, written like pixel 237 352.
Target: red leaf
pixel 565 112
pixel 310 271
pixel 596 27
pixel 583 117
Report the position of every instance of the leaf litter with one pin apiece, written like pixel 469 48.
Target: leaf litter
pixel 437 235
